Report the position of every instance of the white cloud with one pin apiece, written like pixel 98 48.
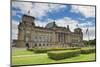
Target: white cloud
pixel 23 6
pixel 40 23
pixel 14 29
pixel 87 24
pixel 37 9
pixel 91 31
pixel 13 13
pixel 67 21
pixel 43 23
pixel 87 11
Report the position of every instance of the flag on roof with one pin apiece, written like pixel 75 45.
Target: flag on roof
pixel 87 30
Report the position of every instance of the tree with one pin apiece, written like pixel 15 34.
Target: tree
pixel 90 42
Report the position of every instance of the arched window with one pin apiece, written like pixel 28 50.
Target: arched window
pixel 35 45
pixel 47 44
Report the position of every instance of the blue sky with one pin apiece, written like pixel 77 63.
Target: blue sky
pixel 63 14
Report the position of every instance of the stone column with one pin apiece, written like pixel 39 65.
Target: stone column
pixel 20 42
pixel 54 38
pixel 31 40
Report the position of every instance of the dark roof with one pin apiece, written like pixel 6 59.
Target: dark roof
pixel 51 25
pixel 78 28
pixel 43 28
pixel 28 16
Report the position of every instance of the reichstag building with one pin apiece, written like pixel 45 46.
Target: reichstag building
pixel 49 36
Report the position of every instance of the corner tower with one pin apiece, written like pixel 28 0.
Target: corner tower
pixel 25 29
pixel 79 33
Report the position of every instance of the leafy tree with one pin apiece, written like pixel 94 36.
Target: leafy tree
pixel 90 42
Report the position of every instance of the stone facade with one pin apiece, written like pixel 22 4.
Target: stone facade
pixel 49 36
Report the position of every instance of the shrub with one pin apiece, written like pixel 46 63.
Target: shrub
pixel 69 48
pixel 30 49
pixel 57 55
pixel 87 50
pixel 45 50
pixel 41 50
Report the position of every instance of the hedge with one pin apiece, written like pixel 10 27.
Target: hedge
pixel 30 49
pixel 58 55
pixel 41 50
pixel 87 50
pixel 45 50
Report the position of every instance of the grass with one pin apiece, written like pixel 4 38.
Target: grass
pixel 43 58
pixel 17 52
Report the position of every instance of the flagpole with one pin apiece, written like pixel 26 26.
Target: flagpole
pixel 88 34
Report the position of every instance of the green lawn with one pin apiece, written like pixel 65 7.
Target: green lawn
pixel 17 52
pixel 33 58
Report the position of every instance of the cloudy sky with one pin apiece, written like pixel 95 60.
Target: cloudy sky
pixel 63 14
